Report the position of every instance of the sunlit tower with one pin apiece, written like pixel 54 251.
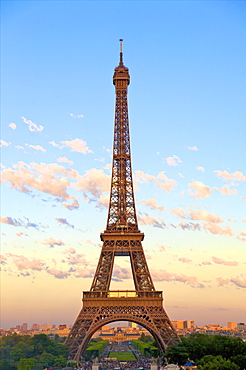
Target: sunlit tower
pixel 144 305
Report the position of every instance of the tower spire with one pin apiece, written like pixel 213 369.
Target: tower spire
pixel 121 53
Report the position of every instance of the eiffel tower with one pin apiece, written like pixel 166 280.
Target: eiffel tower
pixel 144 305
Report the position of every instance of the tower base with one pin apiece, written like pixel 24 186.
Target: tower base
pixel 102 308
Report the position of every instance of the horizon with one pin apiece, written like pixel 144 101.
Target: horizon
pixel 187 116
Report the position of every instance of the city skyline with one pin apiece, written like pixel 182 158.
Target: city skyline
pixel 187 128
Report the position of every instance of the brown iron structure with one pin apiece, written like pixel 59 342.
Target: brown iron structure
pixel 144 305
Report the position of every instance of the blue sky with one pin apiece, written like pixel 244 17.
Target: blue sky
pixel 187 118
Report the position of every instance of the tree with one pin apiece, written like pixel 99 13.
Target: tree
pixel 210 362
pixel 25 364
pixel 240 360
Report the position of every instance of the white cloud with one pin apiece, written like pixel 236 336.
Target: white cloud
pixel 173 161
pixel 32 126
pixel 4 143
pixel 54 144
pixel 13 126
pixel 77 145
pixel 65 160
pixel 36 147
pixel 192 148
pixel 76 115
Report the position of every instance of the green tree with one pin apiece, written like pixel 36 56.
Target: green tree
pixel 177 354
pixel 240 360
pixel 210 362
pixel 60 361
pixel 26 364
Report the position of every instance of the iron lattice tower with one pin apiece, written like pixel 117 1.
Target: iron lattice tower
pixel 144 305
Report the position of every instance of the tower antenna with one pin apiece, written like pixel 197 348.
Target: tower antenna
pixel 121 52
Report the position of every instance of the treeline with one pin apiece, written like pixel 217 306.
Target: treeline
pixel 215 352
pixel 146 345
pixel 95 348
pixel 22 352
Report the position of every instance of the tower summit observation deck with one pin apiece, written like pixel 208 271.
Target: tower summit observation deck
pixel 144 305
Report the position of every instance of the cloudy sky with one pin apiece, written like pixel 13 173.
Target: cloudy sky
pixel 187 119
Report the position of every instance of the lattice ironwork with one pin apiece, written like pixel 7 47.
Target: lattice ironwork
pixel 121 238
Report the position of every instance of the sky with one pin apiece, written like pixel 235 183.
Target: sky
pixel 187 110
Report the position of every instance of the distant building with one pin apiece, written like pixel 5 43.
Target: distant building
pixel 231 325
pixel 35 327
pixel 23 327
pixel 47 326
pixel 183 324
pixel 62 327
pixel 241 326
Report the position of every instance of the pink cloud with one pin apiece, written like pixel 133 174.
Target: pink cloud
pixel 220 261
pixel 4 143
pixel 202 214
pixel 173 161
pixel 13 222
pixel 199 168
pixel 216 229
pixel 169 183
pixel 167 186
pixel 65 160
pixel 94 181
pixel 236 176
pixel 47 178
pixel 189 226
pixel 82 272
pixel 145 219
pixel 23 263
pixel 241 283
pixel 179 212
pixel 225 190
pixel 201 190
pixel 152 203
pixel 206 263
pixel 59 274
pixel 162 275
pixel 64 221
pixel 51 242
pixel 184 260
pixel 36 147
pixel 121 273
pixel 77 145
